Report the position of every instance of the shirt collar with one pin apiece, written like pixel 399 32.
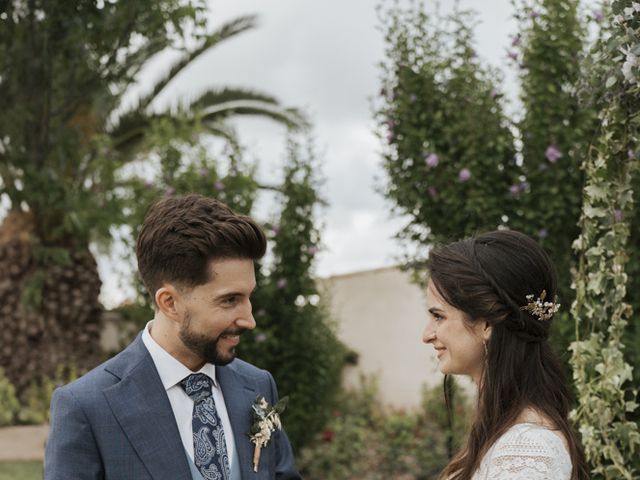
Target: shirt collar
pixel 171 370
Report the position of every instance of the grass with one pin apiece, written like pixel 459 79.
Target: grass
pixel 21 470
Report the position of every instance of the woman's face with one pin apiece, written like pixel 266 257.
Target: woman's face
pixel 459 345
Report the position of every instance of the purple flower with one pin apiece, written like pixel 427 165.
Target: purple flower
pixel 203 172
pixel 413 98
pixel 542 233
pixel 282 283
pixel 533 14
pixel 261 338
pixel 515 189
pixel 494 93
pixel 515 41
pixel 431 160
pixel 275 229
pixel 618 215
pixel 464 175
pixel 433 192
pixel 219 186
pixel 312 250
pixel 553 154
pixel 631 154
pixel 169 191
pixel 598 15
pixel 513 56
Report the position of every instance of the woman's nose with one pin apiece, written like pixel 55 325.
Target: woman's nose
pixel 429 333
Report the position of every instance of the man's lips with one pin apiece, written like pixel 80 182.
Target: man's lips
pixel 232 337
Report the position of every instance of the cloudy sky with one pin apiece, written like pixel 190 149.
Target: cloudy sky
pixel 323 56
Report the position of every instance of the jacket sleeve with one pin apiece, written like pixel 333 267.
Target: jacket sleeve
pixel 285 463
pixel 71 452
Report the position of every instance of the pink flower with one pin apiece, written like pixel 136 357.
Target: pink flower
pixel 514 189
pixel 433 192
pixel 618 215
pixel 464 175
pixel 261 338
pixel 598 15
pixel 282 283
pixel 203 172
pixel 553 154
pixel 312 250
pixel 513 56
pixel 631 154
pixel 542 233
pixel 431 160
pixel 169 191
pixel 219 186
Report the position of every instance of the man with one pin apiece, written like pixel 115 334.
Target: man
pixel 176 404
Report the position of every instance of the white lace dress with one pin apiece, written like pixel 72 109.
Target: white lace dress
pixel 526 452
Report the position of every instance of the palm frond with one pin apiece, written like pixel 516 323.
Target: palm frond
pixel 217 96
pixel 136 60
pixel 290 117
pixel 226 31
pixel 223 130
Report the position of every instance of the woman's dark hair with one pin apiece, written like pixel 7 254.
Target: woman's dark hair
pixel 181 235
pixel 488 278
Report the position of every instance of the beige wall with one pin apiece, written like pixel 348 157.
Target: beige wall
pixel 381 315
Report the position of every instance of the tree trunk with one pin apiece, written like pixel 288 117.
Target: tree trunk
pixel 49 310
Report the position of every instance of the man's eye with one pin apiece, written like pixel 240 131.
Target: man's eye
pixel 229 301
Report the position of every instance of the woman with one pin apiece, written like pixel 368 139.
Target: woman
pixel 491 300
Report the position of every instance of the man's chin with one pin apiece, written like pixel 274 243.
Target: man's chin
pixel 222 359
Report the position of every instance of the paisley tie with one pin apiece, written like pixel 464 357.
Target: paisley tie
pixel 209 447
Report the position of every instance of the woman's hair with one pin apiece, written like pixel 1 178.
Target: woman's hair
pixel 489 278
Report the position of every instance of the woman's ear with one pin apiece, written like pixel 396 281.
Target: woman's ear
pixel 486 331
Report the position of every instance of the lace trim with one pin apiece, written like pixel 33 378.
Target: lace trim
pixel 526 452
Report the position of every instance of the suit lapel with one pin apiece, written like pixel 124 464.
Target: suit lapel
pixel 141 406
pixel 239 394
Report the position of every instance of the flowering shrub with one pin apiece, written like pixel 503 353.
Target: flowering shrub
pixel 365 441
pixel 579 118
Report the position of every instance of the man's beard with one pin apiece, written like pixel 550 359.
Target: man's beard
pixel 206 347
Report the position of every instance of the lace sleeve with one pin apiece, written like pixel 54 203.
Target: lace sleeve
pixel 527 454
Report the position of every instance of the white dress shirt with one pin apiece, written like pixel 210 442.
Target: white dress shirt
pixel 172 372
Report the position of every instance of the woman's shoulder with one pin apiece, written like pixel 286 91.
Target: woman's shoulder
pixel 531 438
pixel 527 451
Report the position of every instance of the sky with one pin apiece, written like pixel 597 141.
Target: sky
pixel 323 57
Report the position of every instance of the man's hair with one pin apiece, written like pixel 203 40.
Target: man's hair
pixel 180 236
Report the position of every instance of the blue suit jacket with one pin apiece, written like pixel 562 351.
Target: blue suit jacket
pixel 116 422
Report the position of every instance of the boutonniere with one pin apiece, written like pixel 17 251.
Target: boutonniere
pixel 266 420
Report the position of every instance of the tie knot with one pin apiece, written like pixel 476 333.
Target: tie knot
pixel 197 386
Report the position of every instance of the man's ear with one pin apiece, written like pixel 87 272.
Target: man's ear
pixel 168 301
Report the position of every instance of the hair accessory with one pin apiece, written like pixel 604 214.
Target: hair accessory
pixel 539 308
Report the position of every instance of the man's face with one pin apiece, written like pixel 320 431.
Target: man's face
pixel 216 313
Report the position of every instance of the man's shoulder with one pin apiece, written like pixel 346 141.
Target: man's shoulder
pixel 106 374
pixel 247 369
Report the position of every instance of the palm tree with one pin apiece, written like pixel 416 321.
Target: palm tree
pixel 64 68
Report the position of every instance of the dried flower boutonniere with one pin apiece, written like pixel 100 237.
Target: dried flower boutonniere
pixel 266 419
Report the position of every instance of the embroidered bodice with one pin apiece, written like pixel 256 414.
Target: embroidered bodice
pixel 526 452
